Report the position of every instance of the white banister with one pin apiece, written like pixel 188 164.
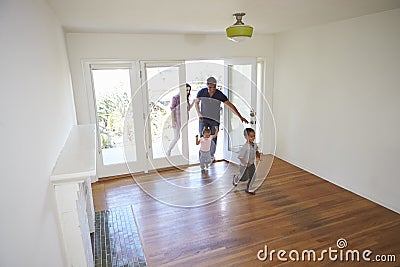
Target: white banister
pixel 72 176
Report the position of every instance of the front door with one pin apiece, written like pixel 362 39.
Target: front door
pixel 240 84
pixel 130 102
pixel 166 131
pixel 116 111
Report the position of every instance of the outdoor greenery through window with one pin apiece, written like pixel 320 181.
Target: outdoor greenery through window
pixel 113 94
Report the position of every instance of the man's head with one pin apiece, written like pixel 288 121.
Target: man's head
pixel 211 84
pixel 211 80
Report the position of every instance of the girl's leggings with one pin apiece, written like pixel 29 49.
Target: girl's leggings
pixel 247 174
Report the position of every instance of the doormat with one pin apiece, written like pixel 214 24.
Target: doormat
pixel 116 239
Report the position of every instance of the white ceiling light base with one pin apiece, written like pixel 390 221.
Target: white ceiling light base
pixel 239 31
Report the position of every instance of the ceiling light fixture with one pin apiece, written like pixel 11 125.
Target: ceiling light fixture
pixel 239 31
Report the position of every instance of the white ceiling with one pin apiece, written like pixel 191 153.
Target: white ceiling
pixel 207 16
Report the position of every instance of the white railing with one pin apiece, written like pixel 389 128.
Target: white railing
pixel 71 178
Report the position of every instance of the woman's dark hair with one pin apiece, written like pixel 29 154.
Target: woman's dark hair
pixel 190 89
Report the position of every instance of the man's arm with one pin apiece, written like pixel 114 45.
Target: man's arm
pixel 234 110
pixel 216 132
pixel 196 104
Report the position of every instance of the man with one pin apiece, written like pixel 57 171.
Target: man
pixel 209 113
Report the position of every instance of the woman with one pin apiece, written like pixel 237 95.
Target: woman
pixel 176 116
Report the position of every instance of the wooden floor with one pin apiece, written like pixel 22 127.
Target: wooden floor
pixel 292 210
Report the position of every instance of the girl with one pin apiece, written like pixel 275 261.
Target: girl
pixel 247 157
pixel 205 144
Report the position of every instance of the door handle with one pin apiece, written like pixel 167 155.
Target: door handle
pixel 252 116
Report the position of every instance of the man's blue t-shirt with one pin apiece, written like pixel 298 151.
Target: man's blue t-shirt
pixel 210 106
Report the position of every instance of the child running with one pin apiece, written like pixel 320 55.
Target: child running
pixel 205 144
pixel 247 156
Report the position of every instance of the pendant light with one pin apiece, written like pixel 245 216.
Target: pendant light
pixel 239 31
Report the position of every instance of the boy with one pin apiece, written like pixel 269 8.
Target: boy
pixel 205 145
pixel 247 157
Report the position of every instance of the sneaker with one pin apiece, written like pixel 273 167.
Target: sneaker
pixel 250 192
pixel 235 180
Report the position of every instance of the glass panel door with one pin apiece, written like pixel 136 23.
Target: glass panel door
pixel 166 112
pixel 116 116
pixel 113 93
pixel 240 86
pixel 197 72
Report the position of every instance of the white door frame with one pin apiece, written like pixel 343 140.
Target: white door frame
pixel 229 154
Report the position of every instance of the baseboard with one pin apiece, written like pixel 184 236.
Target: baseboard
pixel 172 168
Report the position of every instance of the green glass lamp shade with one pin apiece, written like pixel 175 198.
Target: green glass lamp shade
pixel 239 32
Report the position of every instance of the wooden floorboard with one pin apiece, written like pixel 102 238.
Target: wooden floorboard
pixel 292 210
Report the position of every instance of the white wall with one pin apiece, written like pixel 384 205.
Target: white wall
pixel 37 112
pixel 83 46
pixel 337 103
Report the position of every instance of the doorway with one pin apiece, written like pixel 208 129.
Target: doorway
pixel 241 88
pixel 130 104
